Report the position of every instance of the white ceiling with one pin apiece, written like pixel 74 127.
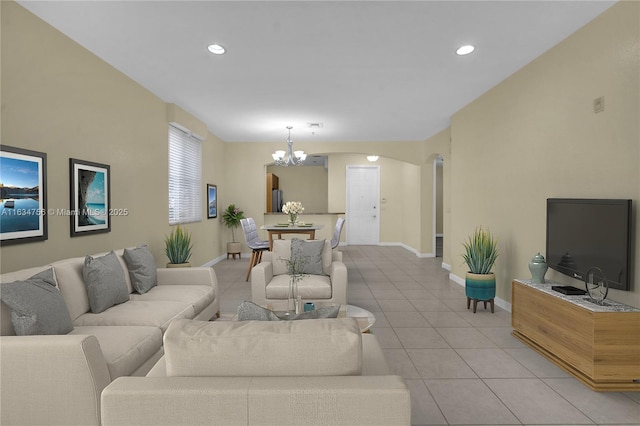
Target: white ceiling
pixel 366 70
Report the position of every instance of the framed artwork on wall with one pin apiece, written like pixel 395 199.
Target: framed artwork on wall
pixel 23 195
pixel 212 201
pixel 90 197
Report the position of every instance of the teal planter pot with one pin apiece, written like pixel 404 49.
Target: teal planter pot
pixel 480 286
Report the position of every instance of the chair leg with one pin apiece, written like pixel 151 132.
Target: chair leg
pixel 251 264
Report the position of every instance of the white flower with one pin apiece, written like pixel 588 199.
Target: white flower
pixel 292 207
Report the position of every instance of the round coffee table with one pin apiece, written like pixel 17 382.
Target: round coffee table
pixel 365 318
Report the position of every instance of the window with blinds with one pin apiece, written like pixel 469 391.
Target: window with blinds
pixel 185 177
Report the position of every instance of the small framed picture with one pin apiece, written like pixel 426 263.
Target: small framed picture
pixel 212 201
pixel 90 197
pixel 23 195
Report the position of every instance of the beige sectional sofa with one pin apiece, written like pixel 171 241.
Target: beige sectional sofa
pixel 307 372
pixel 58 379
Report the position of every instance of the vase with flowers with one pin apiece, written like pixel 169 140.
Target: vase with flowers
pixel 295 270
pixel 293 209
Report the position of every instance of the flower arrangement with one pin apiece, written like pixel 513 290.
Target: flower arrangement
pixel 232 217
pixel 295 268
pixel 293 209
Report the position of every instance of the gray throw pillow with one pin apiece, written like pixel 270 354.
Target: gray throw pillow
pixel 37 307
pixel 142 268
pixel 309 254
pixel 105 281
pixel 249 311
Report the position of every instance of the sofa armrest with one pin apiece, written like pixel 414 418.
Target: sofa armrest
pixel 341 400
pixel 261 275
pixel 339 279
pixel 52 379
pixel 188 276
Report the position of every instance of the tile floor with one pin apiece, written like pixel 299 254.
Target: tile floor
pixel 462 368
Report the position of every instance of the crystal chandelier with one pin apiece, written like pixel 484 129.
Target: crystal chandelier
pixel 292 158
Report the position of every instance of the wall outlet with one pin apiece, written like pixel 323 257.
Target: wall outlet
pixel 598 104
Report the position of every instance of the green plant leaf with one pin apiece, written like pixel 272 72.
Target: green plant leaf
pixel 481 251
pixel 178 245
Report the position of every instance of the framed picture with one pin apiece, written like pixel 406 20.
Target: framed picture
pixel 23 195
pixel 90 197
pixel 212 201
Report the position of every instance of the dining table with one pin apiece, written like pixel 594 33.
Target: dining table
pixel 278 229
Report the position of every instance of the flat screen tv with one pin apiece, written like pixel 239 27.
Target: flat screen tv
pixel 582 234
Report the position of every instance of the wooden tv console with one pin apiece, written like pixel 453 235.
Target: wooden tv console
pixel 599 345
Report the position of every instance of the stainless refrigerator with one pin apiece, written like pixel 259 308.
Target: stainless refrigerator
pixel 276 200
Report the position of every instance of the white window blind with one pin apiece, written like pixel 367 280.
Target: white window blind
pixel 185 177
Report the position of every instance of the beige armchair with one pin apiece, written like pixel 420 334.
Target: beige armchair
pixel 270 281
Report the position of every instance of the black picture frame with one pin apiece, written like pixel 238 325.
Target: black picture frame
pixel 90 193
pixel 23 196
pixel 212 201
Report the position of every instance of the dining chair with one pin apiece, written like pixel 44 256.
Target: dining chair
pixel 254 242
pixel 336 233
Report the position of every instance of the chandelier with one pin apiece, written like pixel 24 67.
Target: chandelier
pixel 293 158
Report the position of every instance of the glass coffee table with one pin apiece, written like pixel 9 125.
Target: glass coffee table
pixel 365 318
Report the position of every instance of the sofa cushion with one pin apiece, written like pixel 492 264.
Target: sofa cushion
pixel 68 274
pixel 282 250
pixel 198 296
pixel 105 281
pixel 142 268
pixel 6 328
pixel 148 313
pixel 37 307
pixel 322 347
pixel 125 348
pixel 249 311
pixel 308 254
pixel 309 287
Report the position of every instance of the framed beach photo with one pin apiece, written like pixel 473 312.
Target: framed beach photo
pixel 212 201
pixel 90 197
pixel 23 195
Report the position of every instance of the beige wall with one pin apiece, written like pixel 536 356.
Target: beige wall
pixel 439 199
pixel 437 145
pixel 60 99
pixel 535 136
pixel 307 184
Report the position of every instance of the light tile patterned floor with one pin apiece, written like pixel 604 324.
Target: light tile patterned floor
pixel 462 368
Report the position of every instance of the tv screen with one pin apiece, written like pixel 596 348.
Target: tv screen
pixel 582 234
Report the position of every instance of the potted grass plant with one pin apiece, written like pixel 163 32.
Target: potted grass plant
pixel 480 255
pixel 231 218
pixel 177 247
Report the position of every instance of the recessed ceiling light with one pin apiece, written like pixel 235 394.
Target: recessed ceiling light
pixel 216 49
pixel 465 50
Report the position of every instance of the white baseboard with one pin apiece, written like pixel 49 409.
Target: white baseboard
pixel 409 248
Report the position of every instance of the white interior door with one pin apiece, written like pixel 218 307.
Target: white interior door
pixel 363 205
